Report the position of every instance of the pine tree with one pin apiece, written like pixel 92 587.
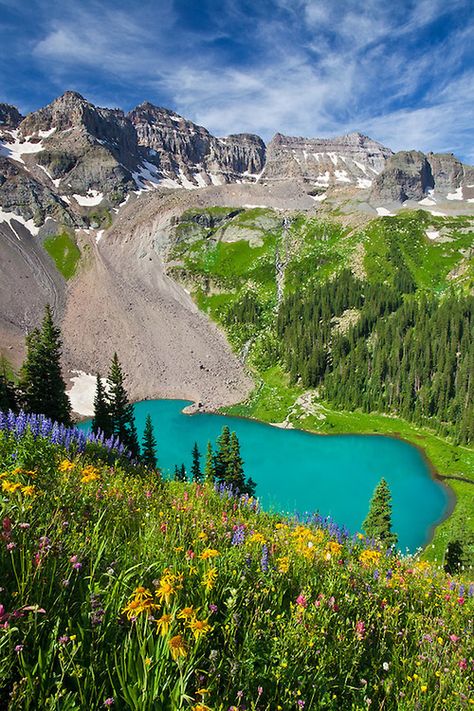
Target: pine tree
pixel 222 456
pixel 180 473
pixel 120 409
pixel 43 389
pixel 209 472
pixel 378 523
pixel 132 442
pixel 235 469
pixel 453 558
pixel 149 445
pixel 8 395
pixel 102 421
pixel 196 466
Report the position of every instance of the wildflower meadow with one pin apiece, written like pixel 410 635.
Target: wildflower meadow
pixel 122 590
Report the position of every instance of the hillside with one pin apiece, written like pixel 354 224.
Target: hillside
pixel 310 305
pixel 123 590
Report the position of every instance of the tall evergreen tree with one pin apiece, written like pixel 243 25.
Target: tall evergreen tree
pixel 43 389
pixel 453 558
pixel 235 469
pixel 133 444
pixel 120 409
pixel 196 466
pixel 8 395
pixel 378 523
pixel 222 456
pixel 102 420
pixel 149 445
pixel 180 473
pixel 209 472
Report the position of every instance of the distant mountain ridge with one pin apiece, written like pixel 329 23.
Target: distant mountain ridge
pixel 70 155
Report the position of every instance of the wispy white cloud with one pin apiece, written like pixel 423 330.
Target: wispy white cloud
pixel 309 67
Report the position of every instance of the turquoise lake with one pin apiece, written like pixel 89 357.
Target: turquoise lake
pixel 298 471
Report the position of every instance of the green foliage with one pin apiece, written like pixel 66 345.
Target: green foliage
pixel 104 575
pixel 8 394
pixel 102 420
pixel 209 469
pixel 378 523
pixel 148 457
pixel 196 473
pixel 121 410
pixel 42 387
pixel 65 253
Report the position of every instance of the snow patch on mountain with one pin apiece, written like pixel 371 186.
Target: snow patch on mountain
pixel 93 197
pixel 18 147
pixel 9 217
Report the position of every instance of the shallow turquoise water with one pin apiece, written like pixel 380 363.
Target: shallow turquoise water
pixel 299 471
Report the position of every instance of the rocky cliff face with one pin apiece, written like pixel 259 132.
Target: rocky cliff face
pixel 188 155
pixel 67 158
pixel 407 176
pixel 411 175
pixel 353 159
pixel 9 116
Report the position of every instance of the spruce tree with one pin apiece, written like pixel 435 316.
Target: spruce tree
pixel 43 389
pixel 209 472
pixel 120 409
pixel 132 442
pixel 149 445
pixel 8 395
pixel 235 469
pixel 102 420
pixel 222 456
pixel 453 558
pixel 180 473
pixel 378 523
pixel 196 466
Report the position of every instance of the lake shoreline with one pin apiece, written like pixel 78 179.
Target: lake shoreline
pixel 193 409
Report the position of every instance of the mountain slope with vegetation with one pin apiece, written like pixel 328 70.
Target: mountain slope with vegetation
pixel 348 329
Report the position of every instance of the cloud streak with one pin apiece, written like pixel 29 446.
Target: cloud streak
pixel 403 72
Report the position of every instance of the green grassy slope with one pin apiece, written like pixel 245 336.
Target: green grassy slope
pixel 65 253
pixel 119 589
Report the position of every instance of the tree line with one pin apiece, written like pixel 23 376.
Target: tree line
pixel 223 465
pixel 407 354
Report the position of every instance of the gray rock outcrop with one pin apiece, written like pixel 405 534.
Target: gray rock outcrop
pixel 352 159
pixel 180 148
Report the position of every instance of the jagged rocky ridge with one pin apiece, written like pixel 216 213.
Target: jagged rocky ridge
pixel 69 156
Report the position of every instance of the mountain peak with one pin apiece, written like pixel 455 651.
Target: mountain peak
pixel 10 117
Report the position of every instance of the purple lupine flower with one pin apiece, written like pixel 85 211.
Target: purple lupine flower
pixel 264 559
pixel 239 536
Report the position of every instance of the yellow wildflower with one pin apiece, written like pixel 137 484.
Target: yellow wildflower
pixel 66 466
pixel 200 707
pixel 186 613
pixel 370 557
pixel 209 579
pixel 89 474
pixel 169 585
pixel 257 538
pixel 332 549
pixel 283 564
pixel 209 553
pixel 141 601
pixel 177 647
pixel 163 624
pixel 10 486
pixel 28 490
pixel 199 627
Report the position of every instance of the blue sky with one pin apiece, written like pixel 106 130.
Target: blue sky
pixel 400 71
